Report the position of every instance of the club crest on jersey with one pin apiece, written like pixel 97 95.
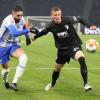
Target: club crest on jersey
pixel 67 27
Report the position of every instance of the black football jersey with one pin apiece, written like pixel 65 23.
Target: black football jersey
pixel 64 33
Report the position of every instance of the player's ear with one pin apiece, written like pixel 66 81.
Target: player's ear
pixel 51 14
pixel 61 15
pixel 12 12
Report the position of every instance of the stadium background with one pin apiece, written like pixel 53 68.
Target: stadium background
pixel 88 9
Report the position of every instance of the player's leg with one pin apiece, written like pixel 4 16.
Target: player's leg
pixel 4 74
pixel 83 68
pixel 60 61
pixel 55 76
pixel 56 72
pixel 4 58
pixel 18 53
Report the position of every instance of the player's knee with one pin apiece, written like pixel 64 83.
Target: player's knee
pixel 81 59
pixel 23 60
pixel 78 55
pixel 58 67
pixel 82 62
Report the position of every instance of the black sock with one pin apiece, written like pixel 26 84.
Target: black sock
pixel 55 76
pixel 83 69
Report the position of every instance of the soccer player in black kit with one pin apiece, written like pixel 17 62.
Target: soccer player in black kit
pixel 68 44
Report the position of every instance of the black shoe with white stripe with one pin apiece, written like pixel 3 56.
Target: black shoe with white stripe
pixel 13 86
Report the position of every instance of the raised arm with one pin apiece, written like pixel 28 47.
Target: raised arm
pixel 77 19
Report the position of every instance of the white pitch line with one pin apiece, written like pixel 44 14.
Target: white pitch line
pixel 68 68
pixel 41 68
pixel 62 68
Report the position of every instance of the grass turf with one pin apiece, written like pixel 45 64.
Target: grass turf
pixel 41 58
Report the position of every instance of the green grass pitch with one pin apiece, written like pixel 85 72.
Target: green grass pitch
pixel 41 58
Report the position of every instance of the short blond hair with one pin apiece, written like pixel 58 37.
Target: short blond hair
pixel 55 8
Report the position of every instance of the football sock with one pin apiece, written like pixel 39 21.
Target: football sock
pixel 4 74
pixel 20 68
pixel 83 69
pixel 55 76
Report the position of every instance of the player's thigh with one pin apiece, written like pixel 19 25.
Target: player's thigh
pixel 18 52
pixel 78 54
pixel 5 66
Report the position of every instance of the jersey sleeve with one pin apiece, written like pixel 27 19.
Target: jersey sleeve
pixel 77 19
pixel 46 30
pixel 82 21
pixel 42 32
pixel 15 32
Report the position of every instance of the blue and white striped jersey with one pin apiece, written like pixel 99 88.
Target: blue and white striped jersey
pixel 6 38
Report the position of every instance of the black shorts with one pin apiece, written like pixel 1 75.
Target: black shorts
pixel 65 55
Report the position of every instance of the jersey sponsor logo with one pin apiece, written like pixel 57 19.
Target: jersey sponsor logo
pixel 62 34
pixel 88 31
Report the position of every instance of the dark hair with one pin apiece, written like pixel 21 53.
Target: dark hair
pixel 17 8
pixel 55 8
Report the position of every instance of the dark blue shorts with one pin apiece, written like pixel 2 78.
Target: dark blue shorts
pixel 6 52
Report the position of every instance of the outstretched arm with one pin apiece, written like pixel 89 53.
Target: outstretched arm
pixel 15 32
pixel 37 33
pixel 92 27
pixel 76 19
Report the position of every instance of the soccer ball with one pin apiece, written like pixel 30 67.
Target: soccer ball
pixel 92 45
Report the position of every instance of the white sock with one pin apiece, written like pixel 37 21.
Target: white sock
pixel 20 68
pixel 4 74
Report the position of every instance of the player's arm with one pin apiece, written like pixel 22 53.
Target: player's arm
pixel 39 33
pixel 77 19
pixel 15 32
pixel 82 21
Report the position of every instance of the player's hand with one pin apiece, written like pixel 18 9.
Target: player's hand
pixel 28 41
pixel 27 25
pixel 32 36
pixel 93 27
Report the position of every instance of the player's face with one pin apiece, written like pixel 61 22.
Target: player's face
pixel 17 16
pixel 56 15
